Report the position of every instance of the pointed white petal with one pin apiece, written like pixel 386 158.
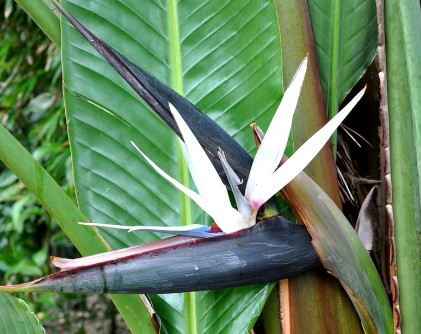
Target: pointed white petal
pixel 230 220
pixel 365 222
pixel 205 176
pixel 302 157
pixel 192 227
pixel 200 200
pixel 227 218
pixel 242 204
pixel 120 227
pixel 273 145
pixel 193 230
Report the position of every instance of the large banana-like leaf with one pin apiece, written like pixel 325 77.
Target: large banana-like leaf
pixel 224 56
pixel 345 34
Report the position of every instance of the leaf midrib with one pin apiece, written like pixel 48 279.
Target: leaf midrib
pixel 335 73
pixel 183 174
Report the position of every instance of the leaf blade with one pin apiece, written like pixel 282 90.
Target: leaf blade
pixel 403 33
pixel 345 34
pixel 15 316
pixel 205 63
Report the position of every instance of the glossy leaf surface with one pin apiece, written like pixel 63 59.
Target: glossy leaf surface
pixel 15 316
pixel 221 61
pixel 345 35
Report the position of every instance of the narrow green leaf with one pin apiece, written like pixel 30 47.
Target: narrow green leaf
pixel 403 49
pixel 190 305
pixel 270 321
pixel 43 17
pixel 15 316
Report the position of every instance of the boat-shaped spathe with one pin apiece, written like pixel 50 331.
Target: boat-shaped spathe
pixel 273 249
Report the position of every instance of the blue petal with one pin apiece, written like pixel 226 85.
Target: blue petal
pixel 194 230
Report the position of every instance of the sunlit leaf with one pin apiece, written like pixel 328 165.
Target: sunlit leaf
pixel 196 50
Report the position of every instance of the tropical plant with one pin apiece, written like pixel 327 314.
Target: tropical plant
pixel 231 60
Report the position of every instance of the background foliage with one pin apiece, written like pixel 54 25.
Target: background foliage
pixel 31 107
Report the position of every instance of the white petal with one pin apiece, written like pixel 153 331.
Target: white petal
pixel 205 177
pixel 230 220
pixel 193 230
pixel 302 157
pixel 120 227
pixel 200 200
pixel 192 227
pixel 273 145
pixel 227 218
pixel 242 204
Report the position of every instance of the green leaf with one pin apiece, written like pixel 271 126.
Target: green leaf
pixel 403 49
pixel 24 267
pixel 341 252
pixel 40 12
pixel 40 256
pixel 227 64
pixel 15 316
pixel 66 213
pixel 345 35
